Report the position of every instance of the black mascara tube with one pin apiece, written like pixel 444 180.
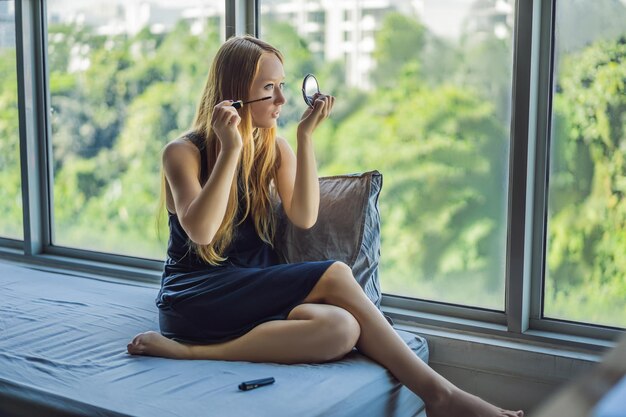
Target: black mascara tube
pixel 248 385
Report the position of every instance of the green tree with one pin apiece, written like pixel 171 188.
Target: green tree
pixel 10 175
pixel 443 156
pixel 112 119
pixel 486 68
pixel 587 230
pixel 400 41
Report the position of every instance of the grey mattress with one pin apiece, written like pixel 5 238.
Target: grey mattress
pixel 63 352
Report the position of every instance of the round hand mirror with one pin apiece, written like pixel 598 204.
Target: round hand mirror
pixel 310 88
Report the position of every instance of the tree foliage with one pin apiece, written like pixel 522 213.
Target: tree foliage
pixel 10 184
pixel 587 231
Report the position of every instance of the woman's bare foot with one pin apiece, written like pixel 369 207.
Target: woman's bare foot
pixel 155 344
pixel 459 403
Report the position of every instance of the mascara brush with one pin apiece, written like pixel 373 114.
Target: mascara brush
pixel 239 103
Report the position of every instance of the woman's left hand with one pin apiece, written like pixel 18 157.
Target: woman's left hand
pixel 312 117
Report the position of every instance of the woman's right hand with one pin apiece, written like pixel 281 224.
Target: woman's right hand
pixel 224 122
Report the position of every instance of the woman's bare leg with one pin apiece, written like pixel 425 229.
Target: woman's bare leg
pixel 380 342
pixel 312 333
pixel 376 339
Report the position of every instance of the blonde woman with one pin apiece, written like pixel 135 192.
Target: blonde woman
pixel 224 296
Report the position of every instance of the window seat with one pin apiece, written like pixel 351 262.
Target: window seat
pixel 63 352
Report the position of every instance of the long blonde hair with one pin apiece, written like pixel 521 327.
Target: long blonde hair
pixel 230 77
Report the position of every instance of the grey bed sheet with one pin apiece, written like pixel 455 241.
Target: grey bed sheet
pixel 63 352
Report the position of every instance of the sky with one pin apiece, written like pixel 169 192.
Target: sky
pixel 444 17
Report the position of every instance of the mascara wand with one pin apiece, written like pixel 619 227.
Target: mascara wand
pixel 239 103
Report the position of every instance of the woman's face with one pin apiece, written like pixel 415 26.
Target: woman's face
pixel 268 81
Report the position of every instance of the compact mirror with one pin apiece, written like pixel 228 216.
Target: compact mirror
pixel 310 88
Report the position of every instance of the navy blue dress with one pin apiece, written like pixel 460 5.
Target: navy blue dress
pixel 202 303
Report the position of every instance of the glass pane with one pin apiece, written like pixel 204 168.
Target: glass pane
pixel 586 263
pixel 423 96
pixel 10 174
pixel 124 80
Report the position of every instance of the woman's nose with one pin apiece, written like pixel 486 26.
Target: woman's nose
pixel 279 97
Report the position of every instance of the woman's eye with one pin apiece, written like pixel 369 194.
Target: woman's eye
pixel 271 86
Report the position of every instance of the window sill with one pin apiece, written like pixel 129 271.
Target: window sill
pixel 70 265
pixel 497 334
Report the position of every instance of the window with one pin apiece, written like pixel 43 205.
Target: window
pixel 10 174
pixel 585 263
pixel 124 80
pixel 428 105
pixel 423 95
pixel 317 17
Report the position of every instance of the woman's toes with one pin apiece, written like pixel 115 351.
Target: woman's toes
pixel 132 349
pixel 154 344
pixel 138 344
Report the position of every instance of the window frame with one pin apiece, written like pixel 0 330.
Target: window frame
pixel 533 47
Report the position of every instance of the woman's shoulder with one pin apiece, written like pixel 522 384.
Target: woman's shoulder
pixel 190 139
pixel 281 141
pixel 181 147
pixel 282 144
pixel 284 150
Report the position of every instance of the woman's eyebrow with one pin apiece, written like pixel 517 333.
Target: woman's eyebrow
pixel 272 79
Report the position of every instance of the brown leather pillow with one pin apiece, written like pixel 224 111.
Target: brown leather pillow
pixel 347 229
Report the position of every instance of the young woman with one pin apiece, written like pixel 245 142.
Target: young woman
pixel 224 296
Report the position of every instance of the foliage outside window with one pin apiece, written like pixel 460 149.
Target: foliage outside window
pixel 427 103
pixel 10 174
pixel 123 82
pixel 586 267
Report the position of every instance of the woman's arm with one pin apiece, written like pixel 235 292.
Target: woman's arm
pixel 201 210
pixel 298 183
